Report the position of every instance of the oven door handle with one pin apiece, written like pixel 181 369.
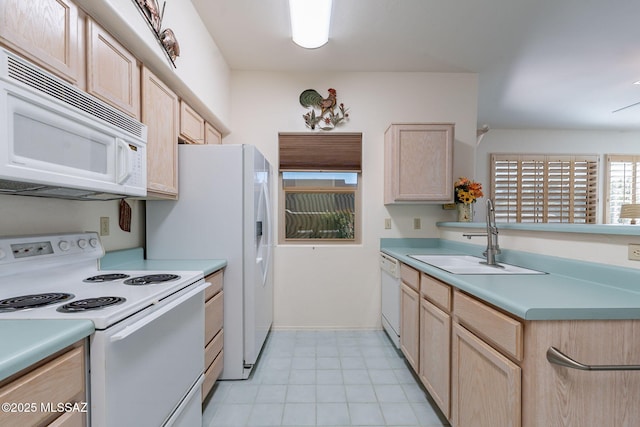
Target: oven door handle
pixel 132 329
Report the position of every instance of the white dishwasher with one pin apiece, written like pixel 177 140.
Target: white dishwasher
pixel 390 284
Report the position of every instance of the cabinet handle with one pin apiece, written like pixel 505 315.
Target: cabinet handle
pixel 557 357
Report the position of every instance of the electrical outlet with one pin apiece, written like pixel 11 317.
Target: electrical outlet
pixel 634 252
pixel 104 225
pixel 387 223
pixel 416 224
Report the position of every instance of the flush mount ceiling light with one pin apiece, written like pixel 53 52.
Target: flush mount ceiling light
pixel 310 20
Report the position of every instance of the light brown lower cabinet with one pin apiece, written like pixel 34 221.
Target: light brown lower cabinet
pixel 485 385
pixel 556 396
pixel 213 331
pixel 410 325
pixel 59 379
pixel 435 353
pixel 486 368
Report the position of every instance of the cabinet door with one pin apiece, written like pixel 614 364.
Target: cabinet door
pixel 409 325
pixel 46 32
pixel 419 163
pixel 160 113
pixel 435 353
pixel 211 135
pixel 113 73
pixel 485 385
pixel 191 125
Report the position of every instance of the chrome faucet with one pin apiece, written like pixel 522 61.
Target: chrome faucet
pixel 492 236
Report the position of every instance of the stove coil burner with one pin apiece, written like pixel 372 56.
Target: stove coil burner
pixel 105 278
pixel 90 304
pixel 25 302
pixel 151 279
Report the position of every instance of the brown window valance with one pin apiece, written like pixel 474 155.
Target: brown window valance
pixel 320 151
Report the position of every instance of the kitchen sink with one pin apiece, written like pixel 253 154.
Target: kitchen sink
pixel 467 264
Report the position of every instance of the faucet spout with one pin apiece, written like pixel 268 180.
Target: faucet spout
pixel 493 248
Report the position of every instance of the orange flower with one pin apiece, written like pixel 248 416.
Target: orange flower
pixel 467 191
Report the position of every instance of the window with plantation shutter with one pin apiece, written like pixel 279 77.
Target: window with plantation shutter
pixel 622 186
pixel 545 188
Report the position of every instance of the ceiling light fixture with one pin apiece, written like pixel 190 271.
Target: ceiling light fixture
pixel 310 20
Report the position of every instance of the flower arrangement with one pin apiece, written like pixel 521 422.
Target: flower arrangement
pixel 467 191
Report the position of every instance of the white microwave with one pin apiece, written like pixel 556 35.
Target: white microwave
pixel 58 141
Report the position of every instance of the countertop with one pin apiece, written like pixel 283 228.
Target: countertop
pixel 133 259
pixel 571 289
pixel 25 342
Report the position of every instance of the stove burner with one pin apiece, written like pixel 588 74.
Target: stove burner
pixel 24 302
pixel 90 304
pixel 105 278
pixel 151 279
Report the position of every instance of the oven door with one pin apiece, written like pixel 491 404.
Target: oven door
pixel 143 368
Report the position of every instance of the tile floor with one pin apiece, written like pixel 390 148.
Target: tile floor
pixel 324 378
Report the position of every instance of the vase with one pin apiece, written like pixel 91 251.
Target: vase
pixel 465 212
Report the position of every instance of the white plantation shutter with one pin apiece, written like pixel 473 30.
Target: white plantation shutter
pixel 623 184
pixel 544 188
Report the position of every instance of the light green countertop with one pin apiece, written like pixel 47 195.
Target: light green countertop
pixel 25 342
pixel 571 289
pixel 133 259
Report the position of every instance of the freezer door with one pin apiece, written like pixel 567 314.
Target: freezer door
pixel 258 260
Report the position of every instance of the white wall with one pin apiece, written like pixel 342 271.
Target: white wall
pixel 339 286
pixel 34 215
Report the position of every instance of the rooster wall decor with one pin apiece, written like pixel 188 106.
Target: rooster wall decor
pixel 331 113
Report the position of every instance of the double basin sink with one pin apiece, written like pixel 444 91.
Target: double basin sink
pixel 467 264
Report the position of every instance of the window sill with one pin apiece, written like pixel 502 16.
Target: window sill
pixel 611 229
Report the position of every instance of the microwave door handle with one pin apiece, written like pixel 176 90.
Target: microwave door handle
pixel 125 161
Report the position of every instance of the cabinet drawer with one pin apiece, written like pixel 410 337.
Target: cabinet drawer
pixel 499 329
pixel 410 276
pixel 212 374
pixel 213 316
pixel 435 291
pixel 213 349
pixel 60 380
pixel 216 279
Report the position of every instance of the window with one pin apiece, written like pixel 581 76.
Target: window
pixel 623 185
pixel 320 187
pixel 545 188
pixel 320 205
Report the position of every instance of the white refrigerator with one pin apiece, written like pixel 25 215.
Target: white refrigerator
pixel 224 212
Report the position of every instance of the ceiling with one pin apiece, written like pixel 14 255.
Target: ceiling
pixel 540 63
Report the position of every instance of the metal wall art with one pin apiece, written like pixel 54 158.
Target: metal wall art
pixel 330 115
pixel 166 37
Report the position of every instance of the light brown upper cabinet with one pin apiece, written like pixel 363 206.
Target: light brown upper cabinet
pixel 211 135
pixel 113 73
pixel 46 32
pixel 160 110
pixel 418 163
pixel 191 125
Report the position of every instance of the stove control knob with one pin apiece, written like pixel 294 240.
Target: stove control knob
pixel 82 243
pixel 93 242
pixel 64 245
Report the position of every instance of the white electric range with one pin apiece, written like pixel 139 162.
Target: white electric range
pixel 145 359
